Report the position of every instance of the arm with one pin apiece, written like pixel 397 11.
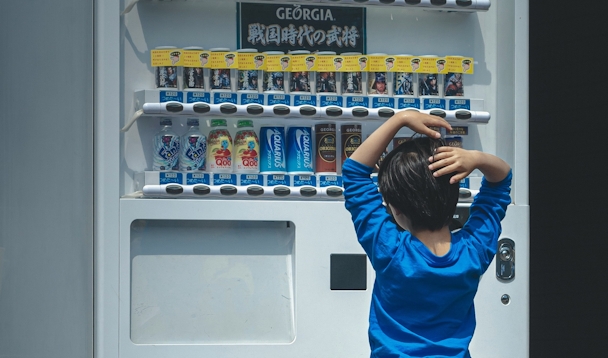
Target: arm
pixel 370 150
pixel 462 162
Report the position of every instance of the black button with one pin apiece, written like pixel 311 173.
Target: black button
pixel 334 192
pixel 201 108
pixel 333 111
pixel 412 2
pixel 174 107
pixel 463 115
pixel 255 190
pixel 437 113
pixel 360 112
pixel 464 2
pixel 308 191
pixel 174 189
pixel 228 190
pixel 308 111
pixel 255 109
pixel 281 110
pixel 201 189
pixel 385 112
pixel 228 108
pixel 464 193
pixel 281 191
pixel 438 2
pixel 387 1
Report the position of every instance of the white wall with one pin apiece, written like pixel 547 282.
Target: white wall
pixel 46 180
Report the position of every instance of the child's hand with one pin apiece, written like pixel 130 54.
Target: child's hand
pixel 453 160
pixel 420 123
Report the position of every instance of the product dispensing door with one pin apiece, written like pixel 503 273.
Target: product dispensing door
pixel 262 260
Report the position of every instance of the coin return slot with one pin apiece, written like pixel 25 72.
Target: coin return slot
pixel 281 191
pixel 228 190
pixel 464 193
pixel 228 108
pixel 255 109
pixel 201 190
pixel 255 190
pixel 201 108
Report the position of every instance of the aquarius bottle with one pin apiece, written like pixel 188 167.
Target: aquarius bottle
pixel 219 148
pixel 166 147
pixel 193 148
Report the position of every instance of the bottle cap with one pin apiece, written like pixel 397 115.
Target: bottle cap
pixel 192 122
pixel 166 122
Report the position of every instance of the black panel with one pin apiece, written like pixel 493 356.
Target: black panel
pixel 348 272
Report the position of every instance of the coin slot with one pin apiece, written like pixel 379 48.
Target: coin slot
pixel 281 191
pixel 201 190
pixel 228 108
pixel 463 115
pixel 255 190
pixel 174 107
pixel 255 109
pixel 201 108
pixel 174 189
pixel 228 190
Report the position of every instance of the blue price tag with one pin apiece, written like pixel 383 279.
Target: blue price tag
pixel 455 104
pixel 408 103
pixel 252 98
pixel 330 180
pixel 197 178
pixel 277 179
pixel 170 178
pixel 300 180
pixel 166 96
pixel 192 97
pixel 224 97
pixel 221 179
pixel 378 102
pixel 302 100
pixel 252 179
pixel 357 101
pixel 431 103
pixel 283 99
pixel 334 100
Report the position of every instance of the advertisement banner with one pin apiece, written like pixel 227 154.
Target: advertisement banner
pixel 288 27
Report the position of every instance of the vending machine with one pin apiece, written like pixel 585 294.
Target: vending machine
pixel 251 252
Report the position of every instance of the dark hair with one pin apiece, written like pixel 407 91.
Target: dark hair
pixel 407 183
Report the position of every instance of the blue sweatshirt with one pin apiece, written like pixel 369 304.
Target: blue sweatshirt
pixel 422 304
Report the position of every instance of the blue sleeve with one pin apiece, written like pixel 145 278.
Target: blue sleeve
pixel 487 211
pixel 376 232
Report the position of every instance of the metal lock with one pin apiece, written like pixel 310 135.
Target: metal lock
pixel 505 260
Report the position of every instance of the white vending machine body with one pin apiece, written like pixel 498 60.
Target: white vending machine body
pixel 235 276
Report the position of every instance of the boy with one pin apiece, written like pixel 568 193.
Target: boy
pixel 426 276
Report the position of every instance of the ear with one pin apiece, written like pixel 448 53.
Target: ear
pixel 394 210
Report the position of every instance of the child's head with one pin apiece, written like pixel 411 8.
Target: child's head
pixel 408 185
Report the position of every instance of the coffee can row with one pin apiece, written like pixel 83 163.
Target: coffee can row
pixel 295 152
